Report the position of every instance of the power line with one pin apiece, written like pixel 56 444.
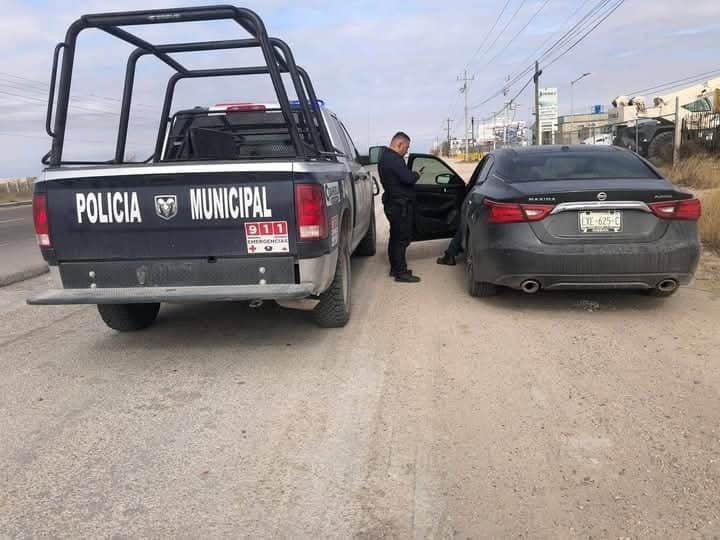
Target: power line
pixel 594 18
pixel 582 38
pixel 668 85
pixel 517 34
pixel 487 36
pixel 46 88
pixel 510 20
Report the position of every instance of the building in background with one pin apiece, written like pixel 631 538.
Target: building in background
pixel 577 128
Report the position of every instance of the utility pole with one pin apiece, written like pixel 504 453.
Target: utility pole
pixel 493 131
pixel 536 78
pixel 472 128
pixel 678 133
pixel 464 90
pixel 449 121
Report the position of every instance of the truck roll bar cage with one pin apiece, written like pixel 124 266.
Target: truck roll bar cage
pixel 276 53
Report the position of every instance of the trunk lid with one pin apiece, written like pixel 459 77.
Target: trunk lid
pixel 598 210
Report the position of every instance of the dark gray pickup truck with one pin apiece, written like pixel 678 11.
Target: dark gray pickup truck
pixel 239 202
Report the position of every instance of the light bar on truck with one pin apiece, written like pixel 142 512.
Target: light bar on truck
pixel 242 107
pixel 318 103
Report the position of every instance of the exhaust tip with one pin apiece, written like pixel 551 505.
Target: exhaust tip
pixel 667 285
pixel 530 286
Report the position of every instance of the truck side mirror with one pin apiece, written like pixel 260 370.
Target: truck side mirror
pixel 374 154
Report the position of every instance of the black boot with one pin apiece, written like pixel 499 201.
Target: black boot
pixel 406 277
pixel 447 260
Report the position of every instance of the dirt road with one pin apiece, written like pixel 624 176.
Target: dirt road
pixel 431 415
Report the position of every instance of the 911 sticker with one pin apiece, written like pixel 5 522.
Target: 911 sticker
pixel 267 237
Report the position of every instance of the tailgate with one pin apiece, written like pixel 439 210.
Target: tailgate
pixel 178 215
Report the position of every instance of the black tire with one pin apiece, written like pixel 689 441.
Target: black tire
pixel 368 245
pixel 334 308
pixel 660 149
pixel 478 289
pixel 128 317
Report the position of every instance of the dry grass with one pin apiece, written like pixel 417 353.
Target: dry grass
pixel 6 197
pixel 710 220
pixel 697 172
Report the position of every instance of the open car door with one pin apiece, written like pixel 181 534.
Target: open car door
pixel 440 194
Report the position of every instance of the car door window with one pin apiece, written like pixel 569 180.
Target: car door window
pixel 335 135
pixel 433 171
pixel 345 144
pixel 484 172
pixel 353 150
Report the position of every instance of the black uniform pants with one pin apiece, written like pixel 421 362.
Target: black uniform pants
pixel 400 215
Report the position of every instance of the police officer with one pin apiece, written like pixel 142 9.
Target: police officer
pixel 398 200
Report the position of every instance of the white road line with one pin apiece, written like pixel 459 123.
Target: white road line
pixel 11 220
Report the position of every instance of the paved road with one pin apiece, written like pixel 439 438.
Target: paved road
pixel 431 415
pixel 17 240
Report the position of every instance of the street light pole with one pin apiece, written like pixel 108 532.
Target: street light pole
pixel 572 92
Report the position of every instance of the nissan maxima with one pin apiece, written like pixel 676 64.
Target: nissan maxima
pixel 562 217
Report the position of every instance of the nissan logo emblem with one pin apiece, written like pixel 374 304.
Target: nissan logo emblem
pixel 602 196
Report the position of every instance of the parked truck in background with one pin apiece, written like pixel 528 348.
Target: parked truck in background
pixel 649 130
pixel 239 202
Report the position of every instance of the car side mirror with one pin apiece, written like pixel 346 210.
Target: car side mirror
pixel 374 154
pixel 443 179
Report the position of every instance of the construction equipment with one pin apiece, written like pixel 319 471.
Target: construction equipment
pixel 648 130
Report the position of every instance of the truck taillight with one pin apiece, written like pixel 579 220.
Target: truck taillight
pixel 686 209
pixel 40 217
pixel 501 213
pixel 311 212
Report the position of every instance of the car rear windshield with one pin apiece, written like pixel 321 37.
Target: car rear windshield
pixel 538 166
pixel 231 135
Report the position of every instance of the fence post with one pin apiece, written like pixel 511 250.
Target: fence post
pixel 678 133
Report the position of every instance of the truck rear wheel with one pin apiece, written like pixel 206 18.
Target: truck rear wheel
pixel 128 317
pixel 368 245
pixel 660 149
pixel 333 311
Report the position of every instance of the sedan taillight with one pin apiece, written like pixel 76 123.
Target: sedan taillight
pixel 40 217
pixel 686 209
pixel 501 213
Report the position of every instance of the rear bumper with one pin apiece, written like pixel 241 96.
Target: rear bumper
pixel 557 282
pixel 520 256
pixel 141 295
pixel 135 282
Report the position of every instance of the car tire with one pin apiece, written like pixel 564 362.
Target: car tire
pixel 478 289
pixel 129 317
pixel 660 149
pixel 334 308
pixel 368 245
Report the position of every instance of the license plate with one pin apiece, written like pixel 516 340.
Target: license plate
pixel 601 222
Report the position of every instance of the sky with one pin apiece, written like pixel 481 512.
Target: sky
pixel 381 66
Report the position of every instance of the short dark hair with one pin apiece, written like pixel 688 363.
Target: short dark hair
pixel 400 135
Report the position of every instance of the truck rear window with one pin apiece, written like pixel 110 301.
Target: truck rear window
pixel 231 135
pixel 535 166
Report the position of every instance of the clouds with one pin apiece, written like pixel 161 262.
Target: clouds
pixel 382 66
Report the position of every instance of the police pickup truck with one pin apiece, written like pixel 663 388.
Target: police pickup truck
pixel 239 202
